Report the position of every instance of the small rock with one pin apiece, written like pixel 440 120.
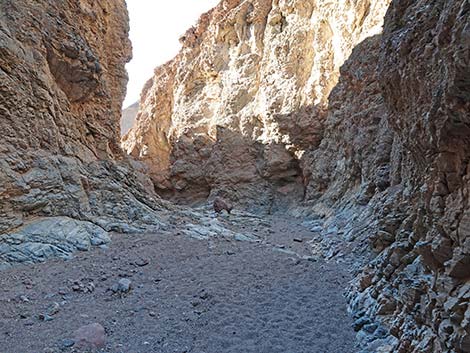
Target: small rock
pixel 360 323
pixel 66 343
pixel 220 204
pixel 53 309
pixel 459 265
pixel 24 299
pixel 90 336
pixel 142 262
pixel 123 286
pixel 204 295
pixel 45 317
pixel 152 313
pixel 370 328
pixel 298 240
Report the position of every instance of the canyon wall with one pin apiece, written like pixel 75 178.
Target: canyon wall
pixel 312 101
pixel 420 280
pixel 232 114
pixel 62 82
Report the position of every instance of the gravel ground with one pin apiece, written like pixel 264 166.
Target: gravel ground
pixel 200 296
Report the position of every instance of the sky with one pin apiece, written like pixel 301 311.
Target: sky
pixel 155 29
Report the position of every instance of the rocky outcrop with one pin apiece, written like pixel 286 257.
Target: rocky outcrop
pixel 311 99
pixel 234 111
pixel 421 277
pixel 394 159
pixel 62 82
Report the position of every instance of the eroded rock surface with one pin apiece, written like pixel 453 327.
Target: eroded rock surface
pixel 312 100
pixel 62 82
pixel 246 96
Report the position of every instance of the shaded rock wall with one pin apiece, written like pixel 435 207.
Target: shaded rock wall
pixel 62 82
pixel 421 279
pixel 234 111
pixel 394 160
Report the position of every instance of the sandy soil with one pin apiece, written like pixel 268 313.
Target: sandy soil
pixel 200 296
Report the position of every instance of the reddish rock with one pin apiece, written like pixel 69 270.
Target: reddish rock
pixel 90 336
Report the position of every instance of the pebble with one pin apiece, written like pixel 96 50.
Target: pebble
pixel 66 343
pixel 124 285
pixel 142 262
pixel 45 317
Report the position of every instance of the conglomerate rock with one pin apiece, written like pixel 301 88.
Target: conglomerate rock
pixel 310 99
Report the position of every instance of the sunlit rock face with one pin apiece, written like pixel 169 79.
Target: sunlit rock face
pixel 62 82
pixel 247 94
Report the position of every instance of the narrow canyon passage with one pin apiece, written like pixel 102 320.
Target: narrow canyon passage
pixel 216 294
pixel 352 114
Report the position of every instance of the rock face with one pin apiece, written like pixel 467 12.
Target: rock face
pixel 269 101
pixel 50 237
pixel 232 113
pixel 62 82
pixel 424 72
pixel 312 100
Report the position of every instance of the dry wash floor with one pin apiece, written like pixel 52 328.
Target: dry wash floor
pixel 188 295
